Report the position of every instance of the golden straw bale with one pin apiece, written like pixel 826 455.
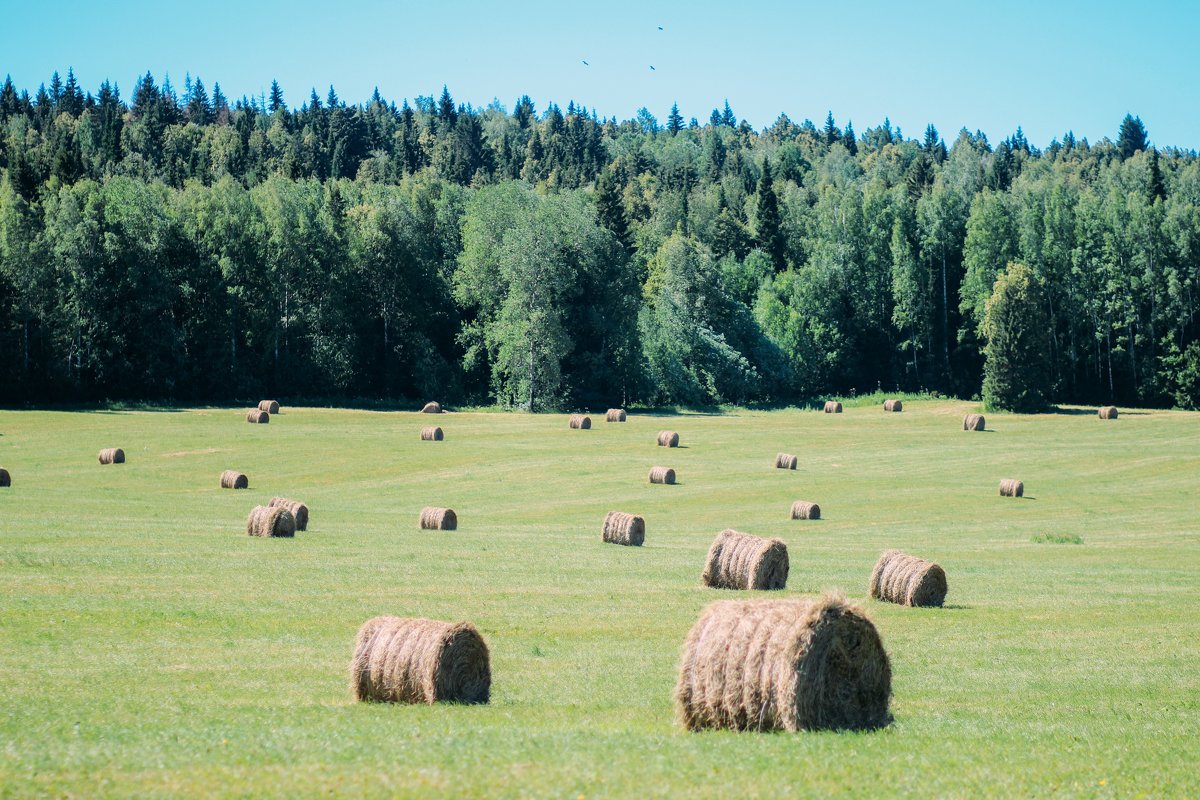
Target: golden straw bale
pixel 581 422
pixel 270 521
pixel 432 433
pixel 405 660
pixel 668 439
pixel 785 461
pixel 622 528
pixel 298 510
pixel 232 479
pixel 974 422
pixel 432 407
pixel 438 519
pixel 269 406
pixel 112 455
pixel 741 561
pixel 662 475
pixel 893 405
pixel 615 415
pixel 1108 412
pixel 257 416
pixel 802 509
pixel 833 407
pixel 907 580
pixel 1011 488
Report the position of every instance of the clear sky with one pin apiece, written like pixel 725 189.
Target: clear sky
pixel 1047 66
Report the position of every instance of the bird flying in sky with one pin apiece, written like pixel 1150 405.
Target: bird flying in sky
pixel 586 64
pixel 652 67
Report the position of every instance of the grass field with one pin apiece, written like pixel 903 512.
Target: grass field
pixel 148 647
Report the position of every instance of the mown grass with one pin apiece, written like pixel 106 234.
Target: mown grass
pixel 149 647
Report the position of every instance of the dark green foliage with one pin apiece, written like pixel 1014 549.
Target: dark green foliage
pixel 768 223
pixel 1132 137
pixel 1016 366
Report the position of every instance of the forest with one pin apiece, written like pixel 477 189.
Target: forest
pixel 183 247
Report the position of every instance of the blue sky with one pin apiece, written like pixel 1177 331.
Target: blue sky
pixel 1046 66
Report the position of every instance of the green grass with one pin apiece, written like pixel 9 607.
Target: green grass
pixel 149 647
pixel 1056 538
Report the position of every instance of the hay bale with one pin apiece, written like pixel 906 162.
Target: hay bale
pixel 112 455
pixel 974 422
pixel 622 528
pixel 893 405
pixel 298 510
pixel 662 475
pixel 784 665
pixel 785 461
pixel 432 433
pixel 581 422
pixel 668 439
pixel 438 519
pixel 431 408
pixel 833 407
pixel 269 406
pixel 232 479
pixel 802 509
pixel 5 478
pixel 615 415
pixel 405 660
pixel 1011 488
pixel 270 521
pixel 907 580
pixel 1108 412
pixel 741 561
pixel 257 416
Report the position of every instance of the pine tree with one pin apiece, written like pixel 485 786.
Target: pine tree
pixel 276 101
pixel 769 224
pixel 1016 367
pixel 1133 136
pixel 674 120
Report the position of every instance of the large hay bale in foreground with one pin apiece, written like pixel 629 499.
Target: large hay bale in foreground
pixel 785 461
pixel 580 422
pixel 833 407
pixel 298 510
pixel 270 521
pixel 431 407
pixel 432 433
pixel 258 416
pixel 5 478
pixel 403 660
pixel 1011 488
pixel 791 665
pixel 893 405
pixel 1108 412
pixel 232 479
pixel 668 439
pixel 615 415
pixel 802 509
pixel 112 455
pixel 662 475
pixel 741 561
pixel 269 406
pixel 622 528
pixel 438 519
pixel 974 422
pixel 907 580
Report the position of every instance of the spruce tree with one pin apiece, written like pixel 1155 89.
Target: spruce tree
pixel 830 132
pixel 276 101
pixel 674 120
pixel 848 139
pixel 610 212
pixel 1158 190
pixel 768 223
pixel 1016 367
pixel 1133 136
pixel 728 119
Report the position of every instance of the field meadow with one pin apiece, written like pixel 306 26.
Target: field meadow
pixel 148 647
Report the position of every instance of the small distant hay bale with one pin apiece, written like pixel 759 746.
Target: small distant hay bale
pixel 432 407
pixel 297 509
pixel 438 519
pixel 432 433
pixel 269 406
pixel 893 405
pixel 785 461
pixel 405 660
pixel 784 665
pixel 270 521
pixel 258 416
pixel 907 580
pixel 802 509
pixel 974 422
pixel 581 422
pixel 232 479
pixel 668 439
pixel 622 528
pixel 741 561
pixel 833 407
pixel 615 415
pixel 5 478
pixel 112 455
pixel 1108 412
pixel 1011 488
pixel 662 475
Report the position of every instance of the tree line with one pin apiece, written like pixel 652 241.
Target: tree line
pixel 186 247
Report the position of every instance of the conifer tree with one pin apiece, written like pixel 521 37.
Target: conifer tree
pixel 674 120
pixel 276 101
pixel 830 133
pixel 768 224
pixel 848 139
pixel 1132 137
pixel 1016 368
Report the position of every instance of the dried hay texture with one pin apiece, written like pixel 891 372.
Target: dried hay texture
pixel 784 665
pixel 438 519
pixel 232 479
pixel 668 439
pixel 615 415
pixel 893 405
pixel 1108 412
pixel 662 475
pixel 112 455
pixel 974 422
pixel 270 521
pixel 269 406
pixel 1011 488
pixel 833 407
pixel 432 433
pixel 258 416
pixel 298 510
pixel 403 660
pixel 785 461
pixel 741 561
pixel 432 407
pixel 581 422
pixel 908 580
pixel 5 478
pixel 802 509
pixel 622 528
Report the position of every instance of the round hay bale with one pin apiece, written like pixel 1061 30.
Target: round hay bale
pixel 908 580
pixel 438 519
pixel 785 461
pixel 581 422
pixel 833 407
pixel 269 406
pixel 893 405
pixel 741 561
pixel 232 479
pixel 112 455
pixel 784 665
pixel 802 509
pixel 5 478
pixel 615 415
pixel 1011 488
pixel 1108 412
pixel 297 509
pixel 622 528
pixel 270 521
pixel 974 422
pixel 662 475
pixel 432 433
pixel 668 439
pixel 258 416
pixel 404 660
pixel 431 408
